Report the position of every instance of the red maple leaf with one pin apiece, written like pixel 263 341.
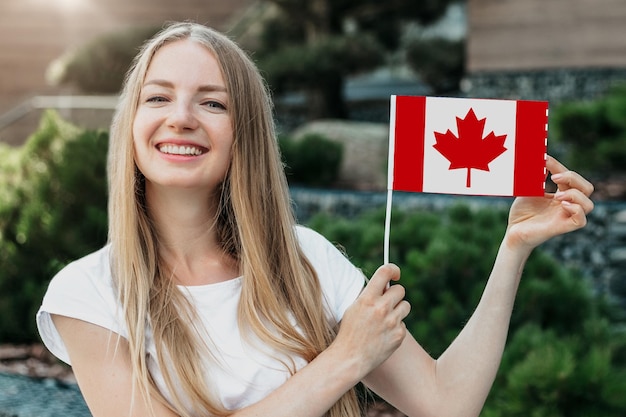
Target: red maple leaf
pixel 470 149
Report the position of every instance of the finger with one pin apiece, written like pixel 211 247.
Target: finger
pixel 555 166
pixel 394 295
pixel 403 309
pixel 566 179
pixel 575 196
pixel 380 280
pixel 577 215
pixel 570 179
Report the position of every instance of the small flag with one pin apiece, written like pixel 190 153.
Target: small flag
pixel 468 146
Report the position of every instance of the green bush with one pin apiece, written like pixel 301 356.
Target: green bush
pixel 593 132
pixel 312 160
pixel 566 355
pixel 53 210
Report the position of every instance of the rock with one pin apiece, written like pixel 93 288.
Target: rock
pixel 34 361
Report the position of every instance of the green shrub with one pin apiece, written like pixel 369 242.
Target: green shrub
pixel 312 160
pixel 565 357
pixel 579 374
pixel 593 132
pixel 53 210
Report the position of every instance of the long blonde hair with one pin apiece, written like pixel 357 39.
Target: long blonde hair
pixel 255 225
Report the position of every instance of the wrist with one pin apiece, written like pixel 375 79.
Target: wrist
pixel 516 247
pixel 518 242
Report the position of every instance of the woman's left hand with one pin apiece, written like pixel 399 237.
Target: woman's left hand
pixel 533 220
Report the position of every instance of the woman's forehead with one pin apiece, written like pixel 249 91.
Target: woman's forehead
pixel 182 60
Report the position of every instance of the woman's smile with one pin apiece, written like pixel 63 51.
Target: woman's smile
pixel 181 150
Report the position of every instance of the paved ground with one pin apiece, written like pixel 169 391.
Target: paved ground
pixel 23 396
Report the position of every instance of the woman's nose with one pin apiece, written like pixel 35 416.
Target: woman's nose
pixel 182 117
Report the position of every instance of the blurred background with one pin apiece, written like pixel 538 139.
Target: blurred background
pixel 331 66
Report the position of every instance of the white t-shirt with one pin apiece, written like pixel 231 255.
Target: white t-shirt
pixel 246 374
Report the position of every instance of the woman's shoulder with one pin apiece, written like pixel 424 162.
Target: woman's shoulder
pixel 81 290
pixel 311 239
pixel 91 269
pixel 341 281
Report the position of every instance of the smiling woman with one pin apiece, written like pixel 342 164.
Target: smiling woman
pixel 209 299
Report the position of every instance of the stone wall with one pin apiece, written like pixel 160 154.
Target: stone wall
pixel 554 85
pixel 598 250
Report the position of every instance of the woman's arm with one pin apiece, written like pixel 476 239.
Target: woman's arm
pixel 101 364
pixel 101 361
pixel 458 383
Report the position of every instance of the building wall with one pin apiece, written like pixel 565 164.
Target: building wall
pixel 35 32
pixel 542 34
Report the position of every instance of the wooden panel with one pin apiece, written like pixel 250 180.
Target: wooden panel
pixel 541 34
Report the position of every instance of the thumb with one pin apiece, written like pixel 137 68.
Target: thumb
pixel 379 282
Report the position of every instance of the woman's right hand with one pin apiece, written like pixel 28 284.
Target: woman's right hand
pixel 372 328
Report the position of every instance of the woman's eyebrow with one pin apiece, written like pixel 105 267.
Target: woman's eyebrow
pixel 169 84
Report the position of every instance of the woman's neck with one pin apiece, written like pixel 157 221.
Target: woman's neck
pixel 185 221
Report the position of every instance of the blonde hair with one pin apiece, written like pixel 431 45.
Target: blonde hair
pixel 255 225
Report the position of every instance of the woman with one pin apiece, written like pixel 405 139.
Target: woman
pixel 208 300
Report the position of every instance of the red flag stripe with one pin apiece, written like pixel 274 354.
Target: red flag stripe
pixel 408 158
pixel 530 148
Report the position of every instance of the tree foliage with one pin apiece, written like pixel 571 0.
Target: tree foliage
pixel 439 62
pixel 566 354
pixel 593 133
pixel 332 39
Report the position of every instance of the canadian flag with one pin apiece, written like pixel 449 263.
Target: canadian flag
pixel 468 146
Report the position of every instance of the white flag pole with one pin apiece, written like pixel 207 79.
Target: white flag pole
pixel 392 134
pixel 387 226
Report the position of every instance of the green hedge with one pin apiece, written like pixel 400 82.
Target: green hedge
pixel 312 160
pixel 565 356
pixel 52 210
pixel 593 133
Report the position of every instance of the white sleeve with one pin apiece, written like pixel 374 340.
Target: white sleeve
pixel 82 290
pixel 341 281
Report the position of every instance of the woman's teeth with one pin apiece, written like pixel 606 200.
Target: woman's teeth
pixel 180 150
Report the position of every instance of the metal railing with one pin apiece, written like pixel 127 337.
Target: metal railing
pixel 56 102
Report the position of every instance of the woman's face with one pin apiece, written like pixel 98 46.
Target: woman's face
pixel 182 131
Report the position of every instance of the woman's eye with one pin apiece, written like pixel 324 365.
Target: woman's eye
pixel 156 99
pixel 215 105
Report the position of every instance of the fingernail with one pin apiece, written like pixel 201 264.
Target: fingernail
pixel 556 177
